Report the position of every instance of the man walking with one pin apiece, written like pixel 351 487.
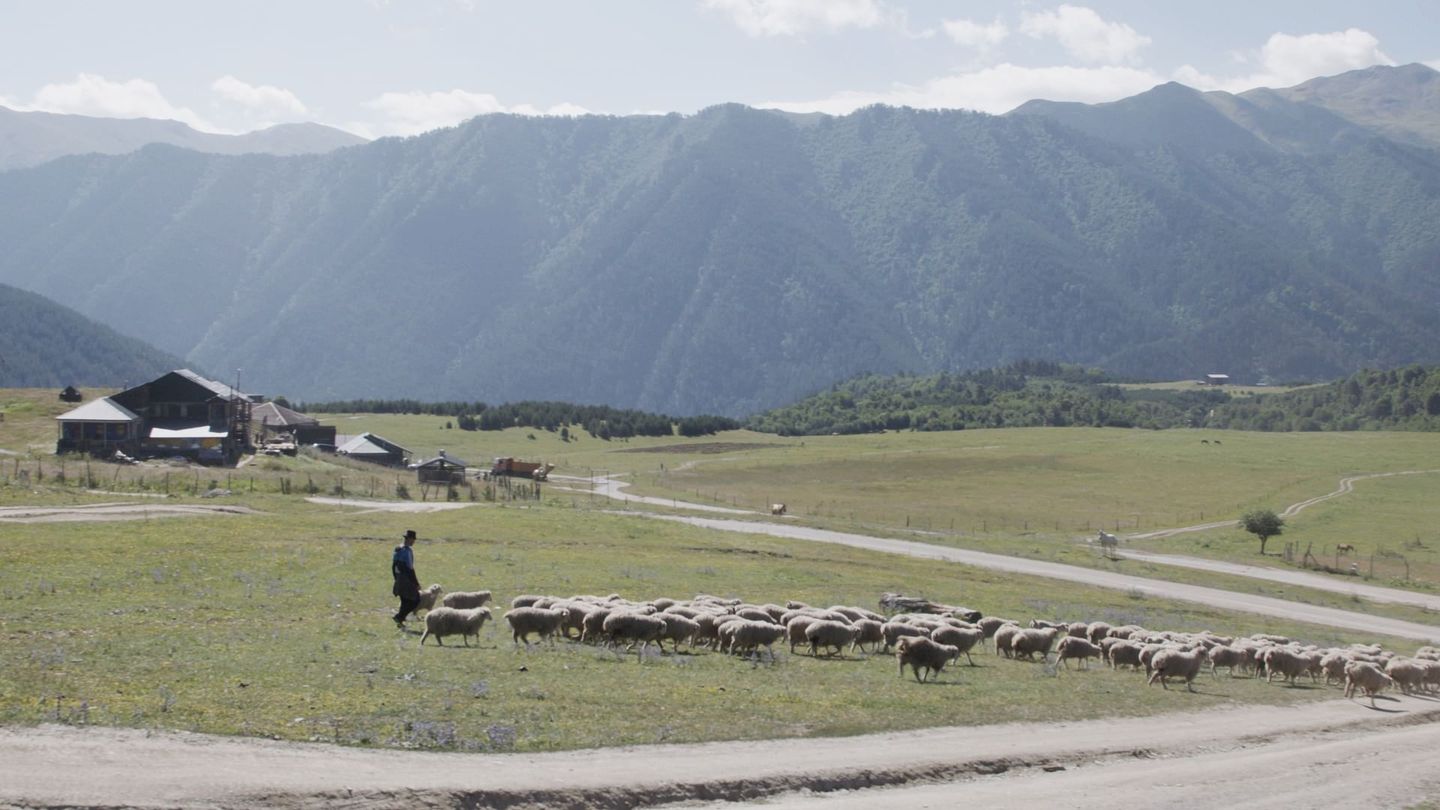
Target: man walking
pixel 407 585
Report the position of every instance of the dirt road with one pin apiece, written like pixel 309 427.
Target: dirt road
pixel 68 766
pixel 389 506
pixel 114 511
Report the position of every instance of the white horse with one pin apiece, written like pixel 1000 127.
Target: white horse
pixel 1108 543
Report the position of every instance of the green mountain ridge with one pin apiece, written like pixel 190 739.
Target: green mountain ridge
pixel 43 344
pixel 737 259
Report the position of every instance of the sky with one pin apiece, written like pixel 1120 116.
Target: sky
pixel 401 67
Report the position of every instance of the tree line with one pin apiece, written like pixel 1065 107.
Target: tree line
pixel 600 421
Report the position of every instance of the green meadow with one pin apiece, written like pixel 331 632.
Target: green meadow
pixel 277 624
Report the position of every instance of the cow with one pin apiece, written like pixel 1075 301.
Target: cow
pixel 777 509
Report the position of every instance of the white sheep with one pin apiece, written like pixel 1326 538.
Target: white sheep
pixel 1228 657
pixel 746 636
pixel 1365 676
pixel 1075 647
pixel 428 597
pixel 834 636
pixel 894 631
pixel 1407 674
pixel 446 621
pixel 1003 637
pixel 963 639
pixel 464 600
pixel 634 628
pixel 920 653
pixel 1026 643
pixel 677 629
pixel 869 631
pixel 1283 661
pixel 542 621
pixel 990 624
pixel 1122 653
pixel 1174 662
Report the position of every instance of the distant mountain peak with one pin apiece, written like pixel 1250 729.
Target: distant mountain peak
pixel 31 138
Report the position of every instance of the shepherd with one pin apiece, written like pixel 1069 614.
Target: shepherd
pixel 407 584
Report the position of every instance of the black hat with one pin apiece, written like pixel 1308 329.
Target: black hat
pixel 410 534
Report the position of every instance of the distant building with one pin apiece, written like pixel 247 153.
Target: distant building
pixel 1217 379
pixel 177 414
pixel 442 469
pixel 275 421
pixel 374 449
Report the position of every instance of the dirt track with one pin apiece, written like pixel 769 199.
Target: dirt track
pixel 114 511
pixel 66 766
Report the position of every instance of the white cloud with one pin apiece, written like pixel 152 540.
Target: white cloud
pixel 995 89
pixel 1286 60
pixel 96 95
pixel 769 18
pixel 1434 64
pixel 414 112
pixel 975 35
pixel 262 99
pixel 1085 35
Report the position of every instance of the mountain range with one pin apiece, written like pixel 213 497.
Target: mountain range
pixel 43 344
pixel 32 138
pixel 737 259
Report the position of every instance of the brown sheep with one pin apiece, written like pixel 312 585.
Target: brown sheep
pixel 1177 663
pixel 962 639
pixel 1075 647
pixel 1365 676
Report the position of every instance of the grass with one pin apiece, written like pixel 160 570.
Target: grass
pixel 278 625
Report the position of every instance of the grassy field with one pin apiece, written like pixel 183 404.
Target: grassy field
pixel 278 625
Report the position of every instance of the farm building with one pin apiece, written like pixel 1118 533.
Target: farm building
pixel 442 469
pixel 275 421
pixel 1217 379
pixel 177 414
pixel 374 449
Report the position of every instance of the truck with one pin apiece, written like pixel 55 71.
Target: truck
pixel 537 470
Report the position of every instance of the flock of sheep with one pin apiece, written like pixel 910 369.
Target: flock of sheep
pixel 924 642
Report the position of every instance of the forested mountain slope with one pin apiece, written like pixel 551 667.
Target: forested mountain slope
pixel 44 344
pixel 738 259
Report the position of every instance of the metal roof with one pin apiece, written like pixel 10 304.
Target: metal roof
pixel 368 444
pixel 270 413
pixel 103 409
pixel 218 388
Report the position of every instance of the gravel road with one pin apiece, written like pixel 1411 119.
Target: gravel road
pixel 1279 751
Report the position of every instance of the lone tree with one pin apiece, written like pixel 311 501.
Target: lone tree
pixel 1264 524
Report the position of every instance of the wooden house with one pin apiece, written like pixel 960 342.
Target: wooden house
pixel 275 421
pixel 177 414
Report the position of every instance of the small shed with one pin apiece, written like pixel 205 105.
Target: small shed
pixel 374 449
pixel 1217 379
pixel 443 470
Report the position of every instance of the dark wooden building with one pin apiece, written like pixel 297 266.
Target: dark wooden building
pixel 443 470
pixel 177 414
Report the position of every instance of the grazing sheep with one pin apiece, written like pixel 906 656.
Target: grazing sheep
pixel 920 653
pixel 525 600
pixel 834 636
pixel 1075 647
pixel 796 627
pixel 1407 674
pixel 428 598
pixel 1284 662
pixel 542 621
pixel 1003 637
pixel 855 614
pixel 1365 676
pixel 1177 663
pixel 963 639
pixel 464 600
pixel 1428 653
pixel 576 619
pixel 678 629
pixel 1126 631
pixel 1097 632
pixel 1041 624
pixel 746 636
pixel 634 628
pixel 755 614
pixel 663 603
pixel 1148 653
pixel 445 621
pixel 894 631
pixel 1026 643
pixel 990 624
pixel 1228 657
pixel 1079 630
pixel 1123 653
pixel 1332 664
pixel 593 627
pixel 869 631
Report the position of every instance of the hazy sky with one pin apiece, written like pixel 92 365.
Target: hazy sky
pixel 396 67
